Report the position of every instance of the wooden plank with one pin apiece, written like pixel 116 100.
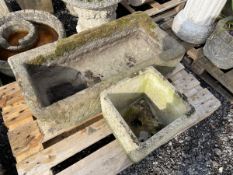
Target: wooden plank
pixel 110 160
pixel 17 119
pixel 165 6
pixel 47 158
pixel 25 140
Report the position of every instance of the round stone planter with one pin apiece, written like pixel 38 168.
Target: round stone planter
pixel 24 20
pixel 219 46
pixel 92 13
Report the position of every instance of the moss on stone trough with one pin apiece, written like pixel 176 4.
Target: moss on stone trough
pixel 63 46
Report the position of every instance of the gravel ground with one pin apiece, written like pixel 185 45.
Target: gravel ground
pixel 206 148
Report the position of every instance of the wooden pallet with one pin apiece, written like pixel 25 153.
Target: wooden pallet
pixel 35 157
pixel 221 81
pixel 155 7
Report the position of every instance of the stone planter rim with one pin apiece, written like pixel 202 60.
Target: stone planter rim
pixel 27 15
pixel 25 42
pixel 95 5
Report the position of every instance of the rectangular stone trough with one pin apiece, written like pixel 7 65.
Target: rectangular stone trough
pixel 144 112
pixel 62 81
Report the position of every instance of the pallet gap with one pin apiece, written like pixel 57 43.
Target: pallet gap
pixel 121 11
pixel 72 131
pixel 162 1
pixel 142 7
pixel 226 70
pixel 84 153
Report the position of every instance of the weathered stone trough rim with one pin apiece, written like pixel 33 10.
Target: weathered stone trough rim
pixel 93 5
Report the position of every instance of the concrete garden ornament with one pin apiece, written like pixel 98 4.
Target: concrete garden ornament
pixel 195 22
pixel 144 112
pixel 62 81
pixel 219 46
pixel 92 13
pixel 24 30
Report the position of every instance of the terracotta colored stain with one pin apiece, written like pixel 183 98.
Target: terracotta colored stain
pixel 14 38
pixel 45 35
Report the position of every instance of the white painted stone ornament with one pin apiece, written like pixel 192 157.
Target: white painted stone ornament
pixel 4 10
pixel 195 22
pixel 92 13
pixel 137 2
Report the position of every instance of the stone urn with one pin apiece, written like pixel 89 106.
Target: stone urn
pixel 92 13
pixel 219 46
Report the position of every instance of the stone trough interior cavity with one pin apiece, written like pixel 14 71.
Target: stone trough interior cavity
pixel 58 81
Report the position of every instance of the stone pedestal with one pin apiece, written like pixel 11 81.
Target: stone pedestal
pixel 4 10
pixel 195 22
pixel 93 18
pixel 92 14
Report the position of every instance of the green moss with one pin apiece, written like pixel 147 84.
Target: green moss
pixel 136 20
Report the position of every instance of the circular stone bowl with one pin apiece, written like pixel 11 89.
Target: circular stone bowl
pixel 219 46
pixel 31 16
pixel 15 26
pixel 92 4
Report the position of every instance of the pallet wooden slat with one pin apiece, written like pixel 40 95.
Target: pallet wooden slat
pixel 112 162
pixel 211 74
pixel 156 7
pixel 64 149
pixel 25 141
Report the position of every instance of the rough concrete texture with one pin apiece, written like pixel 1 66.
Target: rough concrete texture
pixel 195 22
pixel 70 74
pixel 43 5
pixel 15 26
pixel 89 18
pixel 22 19
pixel 166 104
pixel 218 48
pixel 92 13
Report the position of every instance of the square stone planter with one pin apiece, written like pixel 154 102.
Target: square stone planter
pixel 62 81
pixel 144 112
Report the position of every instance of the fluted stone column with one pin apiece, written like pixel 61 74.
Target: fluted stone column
pixel 92 13
pixel 195 22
